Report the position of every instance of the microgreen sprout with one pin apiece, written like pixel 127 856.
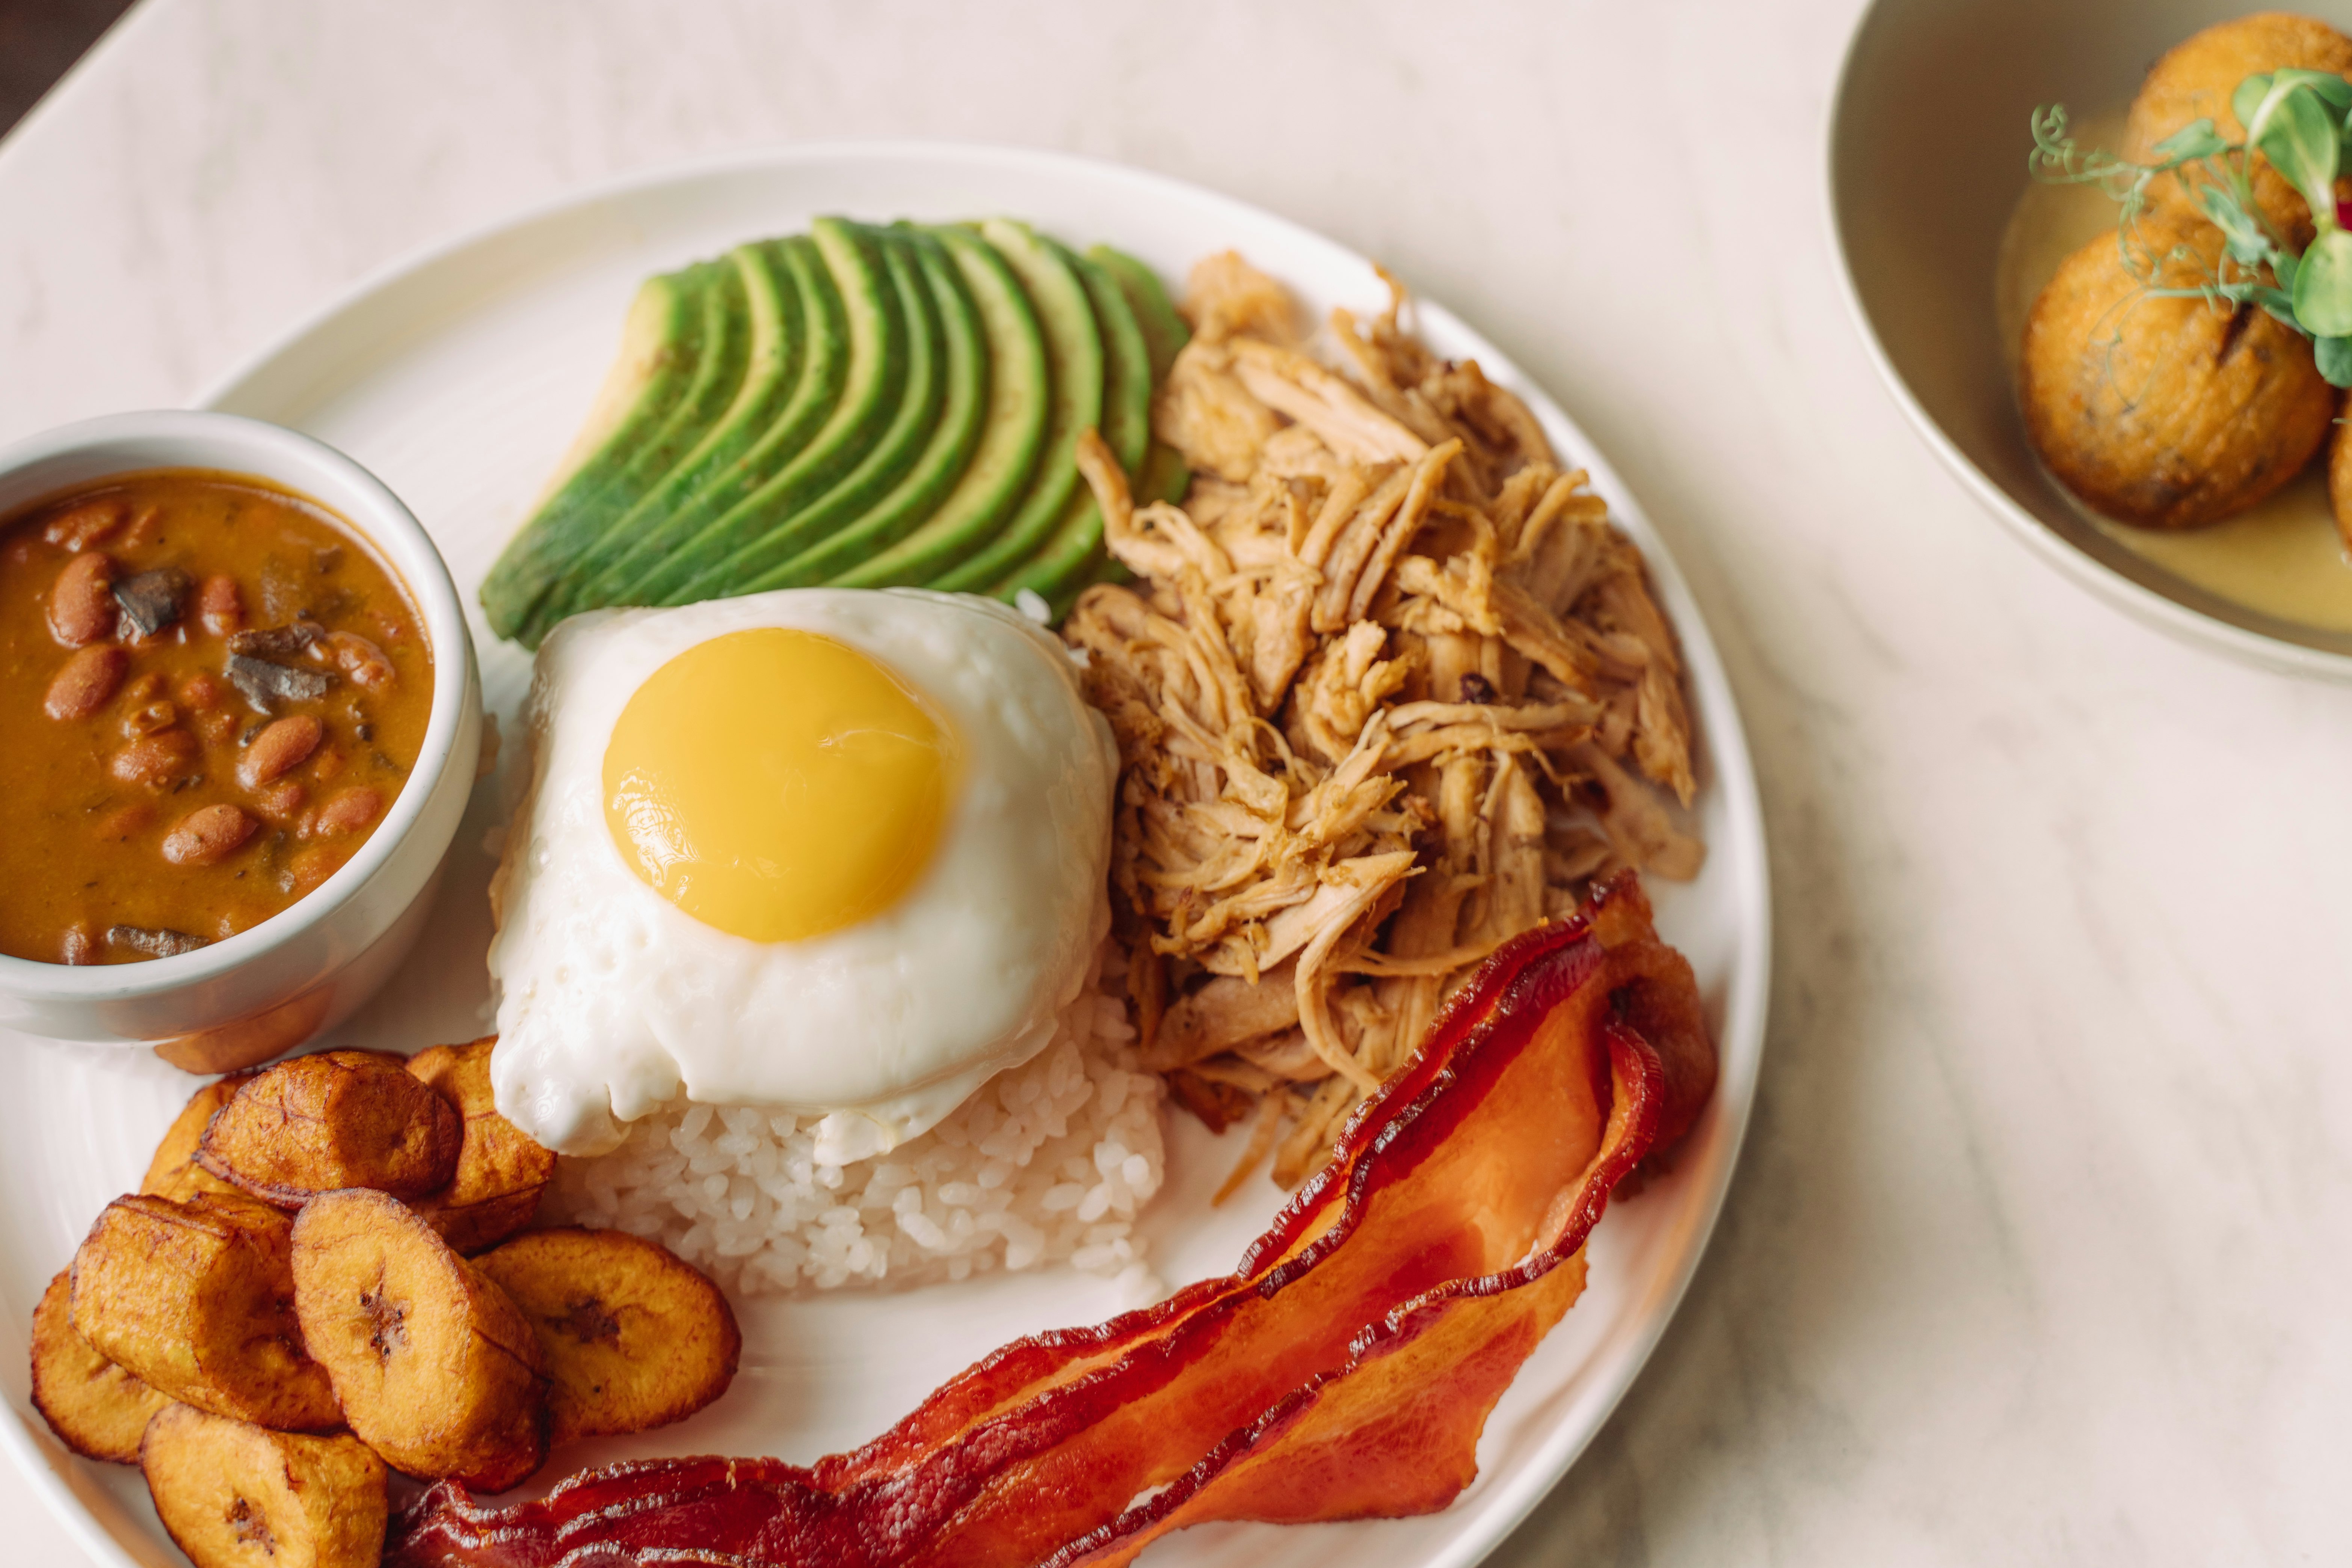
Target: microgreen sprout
pixel 2298 121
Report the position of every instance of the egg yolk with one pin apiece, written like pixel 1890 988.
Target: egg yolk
pixel 778 784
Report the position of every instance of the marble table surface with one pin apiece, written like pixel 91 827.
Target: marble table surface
pixel 2037 1251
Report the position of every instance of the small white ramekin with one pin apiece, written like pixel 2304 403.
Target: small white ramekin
pixel 249 996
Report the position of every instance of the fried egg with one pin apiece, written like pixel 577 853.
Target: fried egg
pixel 837 852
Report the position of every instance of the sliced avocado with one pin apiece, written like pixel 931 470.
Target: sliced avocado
pixel 1164 331
pixel 826 363
pixel 1013 423
pixel 663 346
pixel 772 369
pixel 845 538
pixel 665 556
pixel 1074 349
pixel 1165 475
pixel 919 455
pixel 1076 545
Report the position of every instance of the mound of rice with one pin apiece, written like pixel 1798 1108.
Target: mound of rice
pixel 1048 1163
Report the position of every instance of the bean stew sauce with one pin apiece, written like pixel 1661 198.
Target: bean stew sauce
pixel 211 692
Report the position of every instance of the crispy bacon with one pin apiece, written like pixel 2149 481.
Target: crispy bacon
pixel 1345 1369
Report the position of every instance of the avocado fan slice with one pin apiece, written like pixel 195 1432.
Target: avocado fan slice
pixel 906 446
pixel 663 345
pixel 817 264
pixel 1165 332
pixel 826 363
pixel 1165 475
pixel 778 323
pixel 830 541
pixel 1076 547
pixel 667 553
pixel 1014 425
pixel 1074 349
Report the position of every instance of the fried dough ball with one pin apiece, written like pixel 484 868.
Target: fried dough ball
pixel 2167 413
pixel 197 1299
pixel 95 1407
pixel 238 1496
pixel 501 1171
pixel 174 1173
pixel 339 1119
pixel 635 1337
pixel 437 1371
pixel 2195 80
pixel 2339 483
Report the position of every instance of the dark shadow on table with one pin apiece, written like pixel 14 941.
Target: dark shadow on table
pixel 39 41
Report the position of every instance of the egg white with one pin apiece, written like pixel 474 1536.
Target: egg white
pixel 614 1002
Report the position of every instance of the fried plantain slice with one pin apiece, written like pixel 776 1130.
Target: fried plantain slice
pixel 339 1119
pixel 636 1338
pixel 174 1173
pixel 235 1495
pixel 95 1407
pixel 437 1371
pixel 197 1299
pixel 501 1171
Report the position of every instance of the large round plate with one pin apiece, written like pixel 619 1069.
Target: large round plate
pixel 458 377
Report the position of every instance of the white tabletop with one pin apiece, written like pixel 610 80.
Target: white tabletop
pixel 2037 1253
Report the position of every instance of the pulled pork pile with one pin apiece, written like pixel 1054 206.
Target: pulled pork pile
pixel 1390 690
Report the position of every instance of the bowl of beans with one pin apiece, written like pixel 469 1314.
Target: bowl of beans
pixel 242 723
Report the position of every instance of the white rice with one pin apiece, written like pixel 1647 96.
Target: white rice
pixel 1048 1163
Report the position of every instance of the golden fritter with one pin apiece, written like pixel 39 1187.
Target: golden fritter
pixel 635 1337
pixel 500 1170
pixel 339 1119
pixel 95 1407
pixel 197 1299
pixel 235 1495
pixel 2339 481
pixel 174 1173
pixel 2167 413
pixel 2195 80
pixel 437 1369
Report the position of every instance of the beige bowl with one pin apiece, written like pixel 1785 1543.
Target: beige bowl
pixel 1928 146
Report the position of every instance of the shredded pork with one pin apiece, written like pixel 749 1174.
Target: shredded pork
pixel 1389 690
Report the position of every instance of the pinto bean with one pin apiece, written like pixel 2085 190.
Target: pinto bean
pixel 220 608
pixel 348 810
pixel 200 691
pixel 92 522
pixel 207 836
pixel 153 719
pixel 84 682
pixel 125 820
pixel 81 603
pixel 328 763
pixel 282 801
pixel 314 865
pixel 154 758
pixel 278 749
pixel 216 725
pixel 362 662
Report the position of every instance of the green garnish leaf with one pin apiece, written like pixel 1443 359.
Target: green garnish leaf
pixel 2249 98
pixel 2275 304
pixel 2295 130
pixel 2335 357
pixel 2249 242
pixel 2192 141
pixel 2333 89
pixel 2322 285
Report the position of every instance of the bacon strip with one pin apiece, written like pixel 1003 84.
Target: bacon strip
pixel 1345 1369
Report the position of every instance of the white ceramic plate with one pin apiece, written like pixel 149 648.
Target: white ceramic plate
pixel 458 377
